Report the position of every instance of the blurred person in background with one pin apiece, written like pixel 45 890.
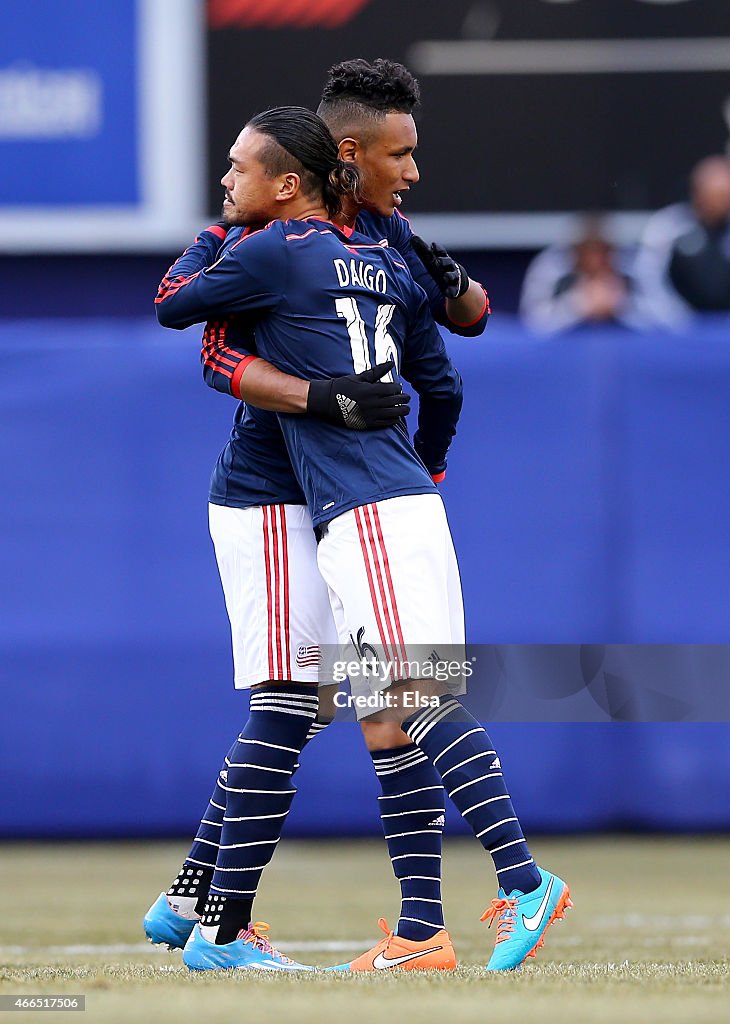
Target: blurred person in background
pixel 683 264
pixel 586 283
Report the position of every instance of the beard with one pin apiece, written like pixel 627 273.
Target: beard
pixel 231 216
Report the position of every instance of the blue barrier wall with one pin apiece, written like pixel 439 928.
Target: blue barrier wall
pixel 589 499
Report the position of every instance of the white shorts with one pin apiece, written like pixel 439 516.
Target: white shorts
pixel 277 601
pixel 395 587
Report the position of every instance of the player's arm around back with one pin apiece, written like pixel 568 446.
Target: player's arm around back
pixel 249 277
pixel 456 301
pixel 427 366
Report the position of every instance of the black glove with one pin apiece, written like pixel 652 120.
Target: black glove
pixel 449 275
pixel 357 401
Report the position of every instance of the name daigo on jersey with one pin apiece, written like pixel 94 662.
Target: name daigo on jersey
pixel 384 699
pixel 360 273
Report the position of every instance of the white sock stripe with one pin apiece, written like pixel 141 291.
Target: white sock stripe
pixel 428 713
pixel 402 856
pixel 256 867
pixel 215 824
pixel 489 775
pixel 420 899
pixel 289 694
pixel 418 920
pixel 221 807
pixel 283 703
pixel 286 711
pixel 234 892
pixel 388 762
pixel 257 842
pixel 409 792
pixel 462 737
pixel 257 817
pixel 261 768
pixel 281 700
pixel 513 842
pixel 208 842
pixel 423 878
pixel 200 863
pixel 393 758
pixel 422 719
pixel 388 767
pixel 394 771
pixel 474 757
pixel 521 864
pixel 421 810
pixel 264 792
pixel 495 825
pixel 272 746
pixel 418 832
pixel 316 728
pixel 420 732
pixel 491 800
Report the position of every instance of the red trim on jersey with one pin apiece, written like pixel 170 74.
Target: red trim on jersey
pixel 277 596
pixel 238 373
pixel 485 309
pixel 390 579
pixel 168 286
pixel 209 354
pixel 346 231
pixel 373 595
pixel 285 557
pixel 268 591
pixel 377 559
pixel 217 230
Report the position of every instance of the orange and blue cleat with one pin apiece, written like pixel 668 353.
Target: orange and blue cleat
pixel 394 952
pixel 523 919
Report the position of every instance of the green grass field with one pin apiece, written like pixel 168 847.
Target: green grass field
pixel 648 939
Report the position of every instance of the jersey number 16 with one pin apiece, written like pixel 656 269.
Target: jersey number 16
pixel 384 345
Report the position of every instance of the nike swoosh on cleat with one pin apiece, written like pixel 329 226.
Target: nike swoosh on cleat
pixel 533 923
pixel 381 962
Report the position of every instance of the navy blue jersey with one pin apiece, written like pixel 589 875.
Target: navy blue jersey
pixel 327 305
pixel 396 231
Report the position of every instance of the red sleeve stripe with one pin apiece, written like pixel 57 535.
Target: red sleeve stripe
pixel 169 286
pixel 217 230
pixel 485 310
pixel 238 373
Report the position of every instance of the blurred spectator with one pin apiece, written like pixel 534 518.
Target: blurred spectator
pixel 584 283
pixel 683 265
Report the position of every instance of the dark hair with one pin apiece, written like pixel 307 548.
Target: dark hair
pixel 358 93
pixel 300 141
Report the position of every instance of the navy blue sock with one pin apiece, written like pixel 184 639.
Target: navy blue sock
pixel 412 812
pixel 461 751
pixel 258 793
pixel 196 873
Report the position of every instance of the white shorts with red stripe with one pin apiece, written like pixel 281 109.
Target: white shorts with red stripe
pixel 277 601
pixel 394 584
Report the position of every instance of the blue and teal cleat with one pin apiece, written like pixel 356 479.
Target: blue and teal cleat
pixel 163 926
pixel 251 951
pixel 523 918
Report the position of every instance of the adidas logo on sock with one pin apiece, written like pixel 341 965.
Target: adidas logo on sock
pixel 441 821
pixel 224 775
pixel 496 763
